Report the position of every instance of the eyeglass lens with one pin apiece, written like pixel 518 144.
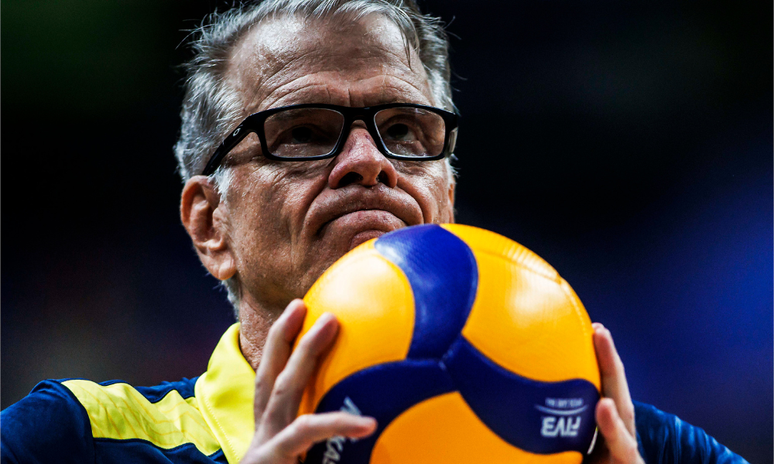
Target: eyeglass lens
pixel 411 131
pixel 307 132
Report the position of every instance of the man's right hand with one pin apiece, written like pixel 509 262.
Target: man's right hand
pixel 283 373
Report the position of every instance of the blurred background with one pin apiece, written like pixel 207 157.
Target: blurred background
pixel 629 144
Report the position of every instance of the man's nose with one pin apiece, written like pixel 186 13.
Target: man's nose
pixel 360 162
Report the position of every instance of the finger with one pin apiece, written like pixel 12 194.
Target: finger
pixel 611 369
pixel 276 352
pixel 621 444
pixel 308 429
pixel 290 384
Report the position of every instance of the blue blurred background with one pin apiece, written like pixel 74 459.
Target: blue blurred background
pixel 630 145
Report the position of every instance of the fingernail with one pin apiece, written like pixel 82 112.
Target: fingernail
pixel 369 426
pixel 291 308
pixel 597 326
pixel 297 303
pixel 323 320
pixel 370 421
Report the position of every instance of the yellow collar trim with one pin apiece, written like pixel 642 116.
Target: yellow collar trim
pixel 226 393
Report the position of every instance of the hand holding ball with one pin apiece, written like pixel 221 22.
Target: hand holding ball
pixel 465 347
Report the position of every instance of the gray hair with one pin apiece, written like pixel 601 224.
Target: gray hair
pixel 211 109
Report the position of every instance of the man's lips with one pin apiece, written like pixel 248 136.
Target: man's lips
pixel 365 220
pixel 358 209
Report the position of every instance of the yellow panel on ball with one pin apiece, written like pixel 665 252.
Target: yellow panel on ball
pixel 444 430
pixel 376 317
pixel 537 308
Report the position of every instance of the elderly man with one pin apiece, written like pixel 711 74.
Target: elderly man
pixel 308 128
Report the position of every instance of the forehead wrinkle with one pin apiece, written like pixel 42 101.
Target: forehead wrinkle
pixel 331 63
pixel 262 102
pixel 261 69
pixel 389 91
pixel 264 59
pixel 253 61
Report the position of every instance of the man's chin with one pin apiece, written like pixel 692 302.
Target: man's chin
pixel 364 236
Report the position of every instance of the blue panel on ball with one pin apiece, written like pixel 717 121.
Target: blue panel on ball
pixel 443 275
pixel 539 417
pixel 383 392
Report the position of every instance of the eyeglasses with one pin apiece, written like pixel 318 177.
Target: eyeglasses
pixel 316 131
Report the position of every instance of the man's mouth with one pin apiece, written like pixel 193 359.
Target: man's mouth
pixel 362 225
pixel 357 211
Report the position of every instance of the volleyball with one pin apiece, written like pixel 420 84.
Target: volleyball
pixel 464 346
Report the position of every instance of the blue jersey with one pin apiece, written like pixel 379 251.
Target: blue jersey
pixel 210 419
pixel 202 420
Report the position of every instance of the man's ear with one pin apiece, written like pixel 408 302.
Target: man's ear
pixel 203 217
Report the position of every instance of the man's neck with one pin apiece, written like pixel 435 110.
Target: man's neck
pixel 255 322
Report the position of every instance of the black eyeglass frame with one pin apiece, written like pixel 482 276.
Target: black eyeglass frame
pixel 255 124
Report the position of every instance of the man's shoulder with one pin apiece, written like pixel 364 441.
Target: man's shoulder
pixel 108 418
pixel 117 396
pixel 665 438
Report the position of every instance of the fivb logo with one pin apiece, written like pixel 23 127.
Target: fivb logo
pixel 564 419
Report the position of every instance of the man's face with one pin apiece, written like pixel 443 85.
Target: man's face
pixel 287 222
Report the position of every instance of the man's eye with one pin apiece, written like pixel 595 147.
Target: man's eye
pixel 399 132
pixel 301 135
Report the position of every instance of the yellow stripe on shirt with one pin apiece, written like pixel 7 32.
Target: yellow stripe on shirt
pixel 120 412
